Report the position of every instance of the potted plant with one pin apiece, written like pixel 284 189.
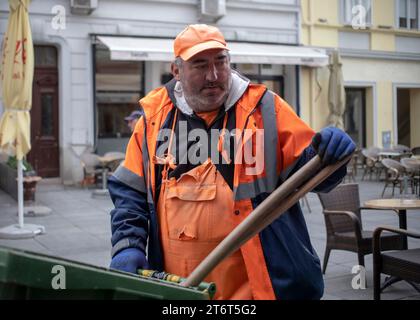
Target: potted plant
pixel 8 182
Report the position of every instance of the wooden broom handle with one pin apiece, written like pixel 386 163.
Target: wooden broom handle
pixel 283 198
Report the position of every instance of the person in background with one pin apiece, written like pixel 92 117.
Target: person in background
pixel 132 119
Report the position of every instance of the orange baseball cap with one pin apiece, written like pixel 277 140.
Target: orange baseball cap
pixel 196 38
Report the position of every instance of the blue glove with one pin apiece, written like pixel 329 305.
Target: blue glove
pixel 333 145
pixel 129 260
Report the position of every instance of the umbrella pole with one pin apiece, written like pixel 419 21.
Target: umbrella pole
pixel 20 231
pixel 20 192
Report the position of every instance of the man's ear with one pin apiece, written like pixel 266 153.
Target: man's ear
pixel 175 71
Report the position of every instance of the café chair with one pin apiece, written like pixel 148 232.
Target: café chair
pixel 343 221
pixel 372 163
pixel 91 171
pixel 394 175
pixel 400 265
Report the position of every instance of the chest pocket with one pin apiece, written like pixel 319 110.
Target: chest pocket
pixel 198 205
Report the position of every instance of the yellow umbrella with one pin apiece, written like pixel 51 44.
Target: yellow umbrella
pixel 16 76
pixel 17 72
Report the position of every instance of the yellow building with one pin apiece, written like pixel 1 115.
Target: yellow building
pixel 379 42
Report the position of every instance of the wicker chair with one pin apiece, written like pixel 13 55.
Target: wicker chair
pixel 394 175
pixel 343 221
pixel 372 163
pixel 416 151
pixel 401 265
pixel 351 169
pixel 412 168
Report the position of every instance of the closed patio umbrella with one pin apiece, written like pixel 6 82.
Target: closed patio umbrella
pixel 336 92
pixel 16 76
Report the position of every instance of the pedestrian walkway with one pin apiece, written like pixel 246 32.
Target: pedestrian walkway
pixel 79 229
pixel 338 277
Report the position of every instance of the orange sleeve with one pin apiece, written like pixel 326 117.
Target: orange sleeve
pixel 294 134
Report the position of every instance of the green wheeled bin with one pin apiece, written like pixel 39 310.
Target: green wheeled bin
pixel 28 275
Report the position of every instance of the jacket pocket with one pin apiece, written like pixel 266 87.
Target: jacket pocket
pixel 188 209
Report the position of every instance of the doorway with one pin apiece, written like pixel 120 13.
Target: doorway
pixel 403 117
pixel 355 115
pixel 44 155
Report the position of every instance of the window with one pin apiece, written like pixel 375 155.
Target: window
pixel 408 14
pixel 45 56
pixel 47 114
pixel 356 12
pixel 119 86
pixel 404 107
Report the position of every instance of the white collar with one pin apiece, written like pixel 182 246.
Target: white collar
pixel 239 84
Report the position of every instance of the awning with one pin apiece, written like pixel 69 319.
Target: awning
pixel 155 49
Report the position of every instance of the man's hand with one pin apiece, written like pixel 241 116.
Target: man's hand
pixel 333 145
pixel 129 260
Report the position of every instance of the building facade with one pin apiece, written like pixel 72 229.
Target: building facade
pixel 379 42
pixel 93 64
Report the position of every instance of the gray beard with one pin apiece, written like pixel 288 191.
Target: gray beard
pixel 197 105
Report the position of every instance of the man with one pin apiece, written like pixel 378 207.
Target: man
pixel 132 119
pixel 210 148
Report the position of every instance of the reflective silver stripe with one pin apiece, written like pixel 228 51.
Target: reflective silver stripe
pixel 130 178
pixel 270 140
pixel 146 167
pixel 269 182
pixel 122 244
pixel 253 189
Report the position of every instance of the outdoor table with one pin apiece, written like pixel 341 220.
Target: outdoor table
pixel 105 161
pixel 390 154
pixel 396 155
pixel 400 206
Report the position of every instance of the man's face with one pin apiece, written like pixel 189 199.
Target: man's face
pixel 132 124
pixel 205 79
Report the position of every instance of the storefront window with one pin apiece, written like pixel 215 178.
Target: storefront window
pixel 119 86
pixel 166 74
pixel 271 75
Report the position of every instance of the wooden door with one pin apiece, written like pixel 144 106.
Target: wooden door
pixel 44 155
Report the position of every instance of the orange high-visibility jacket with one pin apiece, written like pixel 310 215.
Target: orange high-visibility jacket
pixel 281 262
